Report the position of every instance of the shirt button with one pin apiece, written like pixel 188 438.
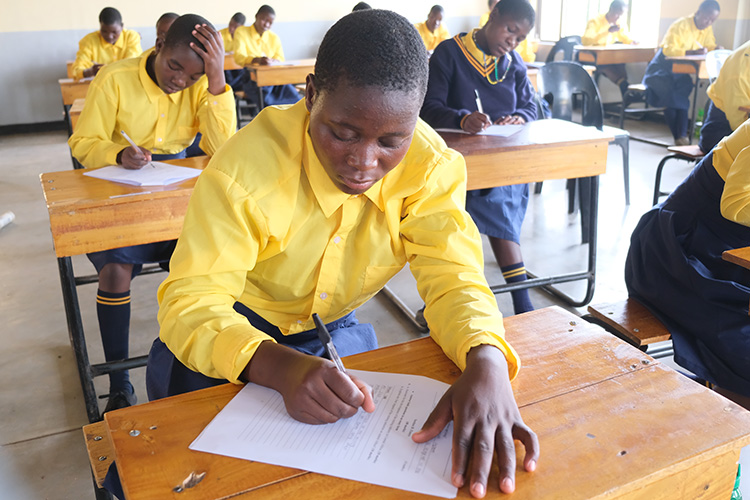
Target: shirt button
pixel 159 139
pixel 324 296
pixel 162 115
pixel 299 322
pixel 337 239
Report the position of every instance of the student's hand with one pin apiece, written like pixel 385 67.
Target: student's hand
pixel 262 61
pixel 486 420
pixel 696 52
pixel 614 28
pixel 476 122
pixel 92 71
pixel 314 390
pixel 134 160
pixel 510 120
pixel 213 56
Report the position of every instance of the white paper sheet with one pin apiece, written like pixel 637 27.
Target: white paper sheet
pixel 161 174
pixel 375 448
pixel 496 130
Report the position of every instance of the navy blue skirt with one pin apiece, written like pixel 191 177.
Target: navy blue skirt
pixel 664 88
pixel 674 267
pixel 499 211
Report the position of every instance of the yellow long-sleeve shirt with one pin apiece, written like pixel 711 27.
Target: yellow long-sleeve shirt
pixel 731 159
pixel 732 87
pixel 525 48
pixel 267 227
pixel 432 39
pixel 597 32
pixel 248 45
pixel 683 35
pixel 123 97
pixel 228 40
pixel 94 49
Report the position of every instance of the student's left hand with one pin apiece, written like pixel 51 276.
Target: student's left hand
pixel 486 420
pixel 510 120
pixel 213 57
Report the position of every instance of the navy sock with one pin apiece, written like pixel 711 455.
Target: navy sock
pixel 512 274
pixel 113 310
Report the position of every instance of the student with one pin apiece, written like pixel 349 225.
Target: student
pixel 161 101
pixel 257 44
pixel 361 6
pixel 432 30
pixel 227 34
pixel 312 208
pixel 478 61
pixel 525 49
pixel 604 30
pixel 728 93
pixel 111 43
pixel 162 26
pixel 674 267
pixel 687 36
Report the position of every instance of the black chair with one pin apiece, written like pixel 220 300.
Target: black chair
pixel 563 80
pixel 566 45
pixel 690 153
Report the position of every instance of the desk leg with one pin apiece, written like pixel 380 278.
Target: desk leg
pixel 77 339
pixel 691 132
pixel 261 104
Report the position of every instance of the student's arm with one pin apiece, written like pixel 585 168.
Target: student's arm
pixel 133 42
pixel 525 105
pixel 735 198
pixel 84 58
pixel 623 36
pixel 709 39
pixel 277 51
pixel 677 40
pixel 243 54
pixel 595 33
pixel 435 109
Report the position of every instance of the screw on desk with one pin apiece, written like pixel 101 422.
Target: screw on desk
pixel 135 432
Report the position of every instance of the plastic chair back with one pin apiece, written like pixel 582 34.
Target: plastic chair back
pixel 714 61
pixel 566 45
pixel 563 79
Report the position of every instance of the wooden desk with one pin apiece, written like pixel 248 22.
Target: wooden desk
pixel 615 54
pixel 289 72
pixel 739 256
pixel 229 61
pixel 75 112
pixel 84 217
pixel 70 90
pixel 612 423
pixel 69 69
pixel 691 65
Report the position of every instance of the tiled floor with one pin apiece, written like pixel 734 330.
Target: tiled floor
pixel 42 454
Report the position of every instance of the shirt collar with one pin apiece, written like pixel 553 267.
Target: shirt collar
pixel 474 50
pixel 153 92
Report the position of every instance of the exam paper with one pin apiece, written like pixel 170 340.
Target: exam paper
pixel 161 174
pixel 496 130
pixel 370 447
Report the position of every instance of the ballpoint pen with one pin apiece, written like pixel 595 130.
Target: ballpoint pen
pixel 479 101
pixel 325 339
pixel 130 141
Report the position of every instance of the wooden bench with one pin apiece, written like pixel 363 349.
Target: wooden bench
pixel 100 450
pixel 630 321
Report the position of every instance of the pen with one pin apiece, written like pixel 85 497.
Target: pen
pixel 325 339
pixel 129 194
pixel 130 141
pixel 479 101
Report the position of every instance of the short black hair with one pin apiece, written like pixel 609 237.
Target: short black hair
pixel 109 16
pixel 517 10
pixel 361 6
pixel 181 31
pixel 265 9
pixel 618 6
pixel 437 8
pixel 239 18
pixel 372 48
pixel 167 16
pixel 708 5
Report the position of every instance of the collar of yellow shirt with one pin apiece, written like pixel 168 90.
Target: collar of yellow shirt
pixel 153 92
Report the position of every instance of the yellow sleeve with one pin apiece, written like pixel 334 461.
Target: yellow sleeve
pixel 709 41
pixel 444 251
pixel 443 33
pixel 595 34
pixel 526 51
pixel 732 88
pixel 732 161
pixel 676 41
pixel 217 118
pixel 226 38
pixel 623 36
pixel 84 56
pixel 133 44
pixel 278 51
pixel 483 20
pixel 243 55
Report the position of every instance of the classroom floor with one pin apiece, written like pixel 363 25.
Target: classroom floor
pixel 42 452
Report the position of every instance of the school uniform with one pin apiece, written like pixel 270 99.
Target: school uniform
pixel 670 90
pixel 730 91
pixel 249 44
pixel 93 49
pixel 458 68
pixel 268 229
pixel 597 33
pixel 674 265
pixel 524 48
pixel 232 76
pixel 431 39
pixel 228 39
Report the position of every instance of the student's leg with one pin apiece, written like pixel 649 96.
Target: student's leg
pixel 617 74
pixel 509 258
pixel 677 121
pixel 715 128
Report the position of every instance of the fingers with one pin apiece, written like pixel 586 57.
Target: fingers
pixel 346 396
pixel 476 122
pixel 368 404
pixel 440 417
pixel 210 39
pixel 530 441
pixel 134 159
pixel 506 460
pixel 482 451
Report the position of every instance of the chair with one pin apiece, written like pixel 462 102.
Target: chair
pixel 566 45
pixel 563 80
pixel 691 153
pixel 714 61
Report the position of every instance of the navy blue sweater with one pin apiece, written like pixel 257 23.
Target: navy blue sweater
pixel 453 79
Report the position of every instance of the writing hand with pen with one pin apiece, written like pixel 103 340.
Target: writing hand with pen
pixel 133 157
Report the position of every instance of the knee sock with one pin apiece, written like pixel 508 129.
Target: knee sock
pixel 677 121
pixel 113 310
pixel 512 274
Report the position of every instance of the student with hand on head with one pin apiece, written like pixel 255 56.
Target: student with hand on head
pixel 607 29
pixel 729 92
pixel 257 44
pixel 312 208
pixel 161 100
pixel 690 35
pixel 111 43
pixel 433 31
pixel 524 48
pixel 227 34
pixel 484 61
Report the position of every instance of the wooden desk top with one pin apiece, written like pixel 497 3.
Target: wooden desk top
pixel 543 150
pixel 618 53
pixel 689 64
pixel 612 422
pixel 283 73
pixel 229 61
pixel 69 69
pixel 739 256
pixel 72 90
pixel 75 111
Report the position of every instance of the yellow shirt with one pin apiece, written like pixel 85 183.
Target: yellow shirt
pixel 94 49
pixel 123 97
pixel 248 44
pixel 228 40
pixel 732 161
pixel 732 87
pixel 267 227
pixel 483 20
pixel 432 39
pixel 683 35
pixel 525 49
pixel 597 32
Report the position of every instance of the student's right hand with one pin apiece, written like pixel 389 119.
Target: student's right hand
pixel 697 52
pixel 92 71
pixel 133 160
pixel 614 28
pixel 476 122
pixel 314 390
pixel 262 61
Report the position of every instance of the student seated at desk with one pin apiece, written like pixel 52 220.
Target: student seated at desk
pixel 312 208
pixel 691 35
pixel 111 43
pixel 433 31
pixel 674 267
pixel 233 76
pixel 257 44
pixel 161 101
pixel 604 30
pixel 162 26
pixel 484 62
pixel 525 49
pixel 728 93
